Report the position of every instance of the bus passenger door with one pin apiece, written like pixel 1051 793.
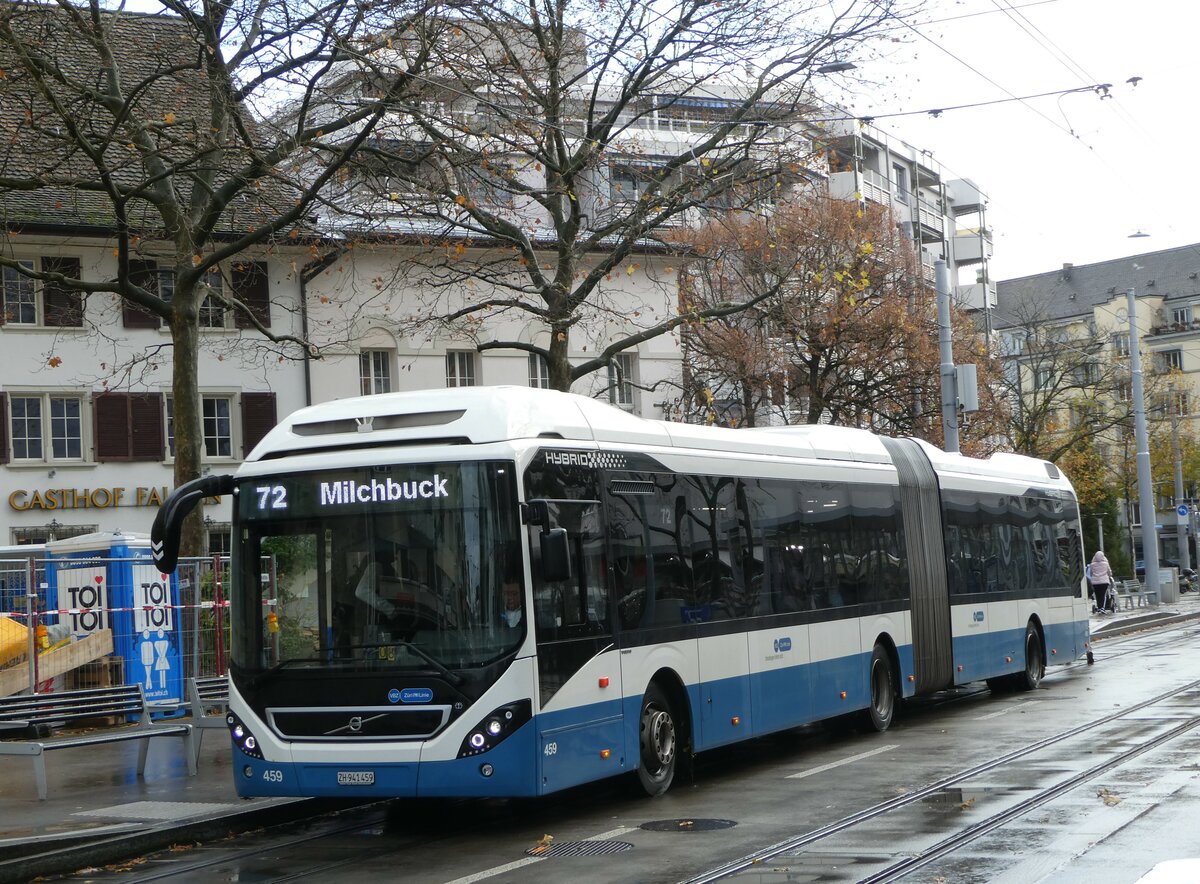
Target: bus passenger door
pixel 579 685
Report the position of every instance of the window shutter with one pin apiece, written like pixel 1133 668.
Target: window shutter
pixel 110 412
pixel 251 287
pixel 3 427
pixel 258 417
pixel 145 274
pixel 146 433
pixel 61 307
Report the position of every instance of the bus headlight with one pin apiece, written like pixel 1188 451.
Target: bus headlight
pixel 495 727
pixel 242 738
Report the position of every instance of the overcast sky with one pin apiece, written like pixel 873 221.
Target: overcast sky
pixel 1067 178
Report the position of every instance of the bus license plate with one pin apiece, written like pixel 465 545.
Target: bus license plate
pixel 356 778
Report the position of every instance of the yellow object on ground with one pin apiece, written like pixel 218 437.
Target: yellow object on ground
pixel 14 640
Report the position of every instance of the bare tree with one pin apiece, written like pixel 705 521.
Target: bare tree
pixel 1065 383
pixel 556 143
pixel 150 130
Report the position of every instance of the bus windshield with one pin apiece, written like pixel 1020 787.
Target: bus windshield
pixel 414 566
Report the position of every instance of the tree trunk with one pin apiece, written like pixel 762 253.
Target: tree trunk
pixel 558 363
pixel 186 416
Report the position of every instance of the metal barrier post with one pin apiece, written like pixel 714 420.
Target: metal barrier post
pixel 219 615
pixel 31 623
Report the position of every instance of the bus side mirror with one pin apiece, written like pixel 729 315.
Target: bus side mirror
pixel 168 523
pixel 556 555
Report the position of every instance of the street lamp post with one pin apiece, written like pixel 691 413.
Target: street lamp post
pixel 1145 485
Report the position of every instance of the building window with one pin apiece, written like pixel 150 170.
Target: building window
pixel 375 371
pixel 216 422
pixel 1182 315
pixel 621 378
pixel 220 536
pixel 45 533
pixel 460 368
pixel 212 310
pixel 46 427
pixel 218 427
pixel 20 300
pixel 1177 403
pixel 627 183
pixel 539 371
pixel 1042 378
pixel 27 301
pixel 1171 360
pixel 900 183
pixel 1120 342
pixel 1125 392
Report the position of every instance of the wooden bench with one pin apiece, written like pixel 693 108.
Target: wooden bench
pixel 37 713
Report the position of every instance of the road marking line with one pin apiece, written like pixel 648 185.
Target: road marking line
pixel 833 764
pixel 1004 711
pixel 520 863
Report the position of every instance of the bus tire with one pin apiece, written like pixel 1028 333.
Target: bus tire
pixel 882 682
pixel 658 742
pixel 1035 662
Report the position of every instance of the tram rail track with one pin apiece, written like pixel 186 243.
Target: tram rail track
pixel 954 842
pixel 1118 646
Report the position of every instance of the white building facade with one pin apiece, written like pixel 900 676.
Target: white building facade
pixel 86 439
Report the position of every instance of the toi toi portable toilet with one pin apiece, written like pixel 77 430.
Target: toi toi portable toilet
pixel 108 581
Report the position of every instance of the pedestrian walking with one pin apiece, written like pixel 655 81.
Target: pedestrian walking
pixel 1099 575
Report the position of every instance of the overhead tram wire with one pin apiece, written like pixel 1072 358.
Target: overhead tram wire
pixel 1056 52
pixel 980 73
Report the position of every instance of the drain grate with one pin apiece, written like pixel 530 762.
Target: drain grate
pixel 580 848
pixel 687 825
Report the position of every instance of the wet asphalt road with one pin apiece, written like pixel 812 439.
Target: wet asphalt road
pixel 1135 804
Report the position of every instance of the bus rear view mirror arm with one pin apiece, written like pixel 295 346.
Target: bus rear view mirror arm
pixel 168 523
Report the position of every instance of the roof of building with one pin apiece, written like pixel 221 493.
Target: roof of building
pixel 1076 289
pixel 52 183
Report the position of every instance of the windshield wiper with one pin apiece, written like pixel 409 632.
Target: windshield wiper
pixel 341 662
pixel 453 677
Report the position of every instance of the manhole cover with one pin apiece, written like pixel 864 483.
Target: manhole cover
pixel 579 848
pixel 687 825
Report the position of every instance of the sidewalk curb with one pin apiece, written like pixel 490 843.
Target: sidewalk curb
pixel 1133 624
pixel 126 845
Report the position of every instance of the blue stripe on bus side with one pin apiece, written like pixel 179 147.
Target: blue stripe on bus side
pixel 565 748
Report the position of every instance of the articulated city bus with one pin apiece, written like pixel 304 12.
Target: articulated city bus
pixel 508 591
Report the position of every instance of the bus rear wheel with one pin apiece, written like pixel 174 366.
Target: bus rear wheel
pixel 658 742
pixel 879 714
pixel 1035 663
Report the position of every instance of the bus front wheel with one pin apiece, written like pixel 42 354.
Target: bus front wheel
pixel 879 714
pixel 658 742
pixel 1035 664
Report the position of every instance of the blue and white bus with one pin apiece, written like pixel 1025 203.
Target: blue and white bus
pixel 507 591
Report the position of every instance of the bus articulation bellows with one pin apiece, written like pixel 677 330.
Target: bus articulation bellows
pixel 506 591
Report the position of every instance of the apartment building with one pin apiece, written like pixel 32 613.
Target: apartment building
pixel 945 217
pixel 1089 302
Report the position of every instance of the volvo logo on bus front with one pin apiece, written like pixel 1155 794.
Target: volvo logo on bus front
pixel 356 724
